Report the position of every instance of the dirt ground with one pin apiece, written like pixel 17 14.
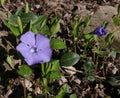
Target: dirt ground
pixel 102 10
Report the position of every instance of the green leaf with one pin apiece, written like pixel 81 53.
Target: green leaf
pixel 45 82
pixel 105 23
pixel 54 72
pixel 51 70
pixel 118 9
pixel 113 53
pixel 12 19
pixel 45 30
pixel 27 17
pixel 77 24
pixel 54 26
pixel 25 71
pixel 18 12
pixel 34 29
pixel 73 96
pixel 91 77
pixel 55 65
pixel 27 8
pixel 110 37
pixel 101 53
pixel 69 59
pixel 63 90
pixel 2 2
pixel 75 29
pixel 116 20
pixel 88 66
pixel 40 25
pixel 88 36
pixel 54 75
pixel 28 27
pixel 87 21
pixel 57 44
pixel 14 30
pixel 40 22
pixel 20 24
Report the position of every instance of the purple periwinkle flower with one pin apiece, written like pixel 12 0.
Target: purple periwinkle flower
pixel 100 31
pixel 35 48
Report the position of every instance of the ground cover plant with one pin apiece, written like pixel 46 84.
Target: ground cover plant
pixel 39 60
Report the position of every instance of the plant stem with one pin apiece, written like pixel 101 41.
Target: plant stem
pixel 43 69
pixel 94 57
pixel 24 89
pixel 103 64
pixel 96 63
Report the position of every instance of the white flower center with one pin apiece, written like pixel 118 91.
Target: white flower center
pixel 32 50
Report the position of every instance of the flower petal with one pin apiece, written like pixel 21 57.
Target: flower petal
pixel 23 49
pixel 103 30
pixel 28 38
pixel 45 54
pixel 33 59
pixel 39 57
pixel 42 42
pixel 100 31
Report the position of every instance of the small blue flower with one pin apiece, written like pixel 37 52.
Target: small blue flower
pixel 35 48
pixel 100 31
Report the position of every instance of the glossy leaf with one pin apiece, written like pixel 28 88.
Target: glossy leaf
pixel 69 59
pixel 57 44
pixel 24 71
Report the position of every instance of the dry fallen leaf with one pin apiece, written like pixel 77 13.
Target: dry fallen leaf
pixel 63 80
pixel 28 84
pixel 70 70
